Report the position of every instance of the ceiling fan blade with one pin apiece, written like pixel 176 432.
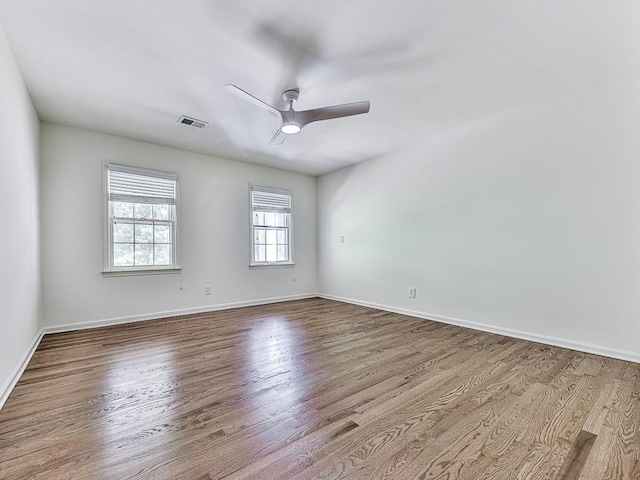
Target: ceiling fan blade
pixel 278 138
pixel 238 92
pixel 335 111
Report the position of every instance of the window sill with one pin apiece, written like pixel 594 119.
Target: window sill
pixel 258 266
pixel 151 271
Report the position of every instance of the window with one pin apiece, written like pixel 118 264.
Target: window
pixel 270 226
pixel 141 219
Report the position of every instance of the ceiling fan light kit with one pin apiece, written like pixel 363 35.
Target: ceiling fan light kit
pixel 293 121
pixel 290 128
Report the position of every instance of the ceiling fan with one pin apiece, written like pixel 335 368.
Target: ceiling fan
pixel 293 121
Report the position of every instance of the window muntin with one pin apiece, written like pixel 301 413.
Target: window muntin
pixel 270 226
pixel 141 219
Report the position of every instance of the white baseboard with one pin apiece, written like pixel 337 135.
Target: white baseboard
pixel 508 332
pixel 172 313
pixel 17 372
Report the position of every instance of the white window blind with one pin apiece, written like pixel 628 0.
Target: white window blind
pixel 127 184
pixel 265 199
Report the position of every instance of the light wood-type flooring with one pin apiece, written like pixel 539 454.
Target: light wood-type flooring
pixel 317 389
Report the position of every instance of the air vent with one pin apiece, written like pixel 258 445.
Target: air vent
pixel 192 122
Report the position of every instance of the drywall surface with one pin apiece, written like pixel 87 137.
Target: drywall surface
pixel 527 221
pixel 20 320
pixel 214 232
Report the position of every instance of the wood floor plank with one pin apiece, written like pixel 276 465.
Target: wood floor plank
pixel 543 461
pixel 601 407
pixel 575 460
pixel 316 389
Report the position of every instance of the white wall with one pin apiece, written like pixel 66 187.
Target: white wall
pixel 528 221
pixel 20 321
pixel 214 232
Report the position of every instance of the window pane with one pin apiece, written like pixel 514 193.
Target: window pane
pixel 282 236
pixel 144 254
pixel 258 218
pixel 259 236
pixel 144 233
pixel 142 210
pixel 272 253
pixel 271 236
pixel 161 212
pixel 270 219
pixel 122 255
pixel 162 254
pixel 123 210
pixel 123 232
pixel 283 253
pixel 162 234
pixel 281 219
pixel 259 253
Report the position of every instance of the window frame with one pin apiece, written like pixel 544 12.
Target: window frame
pixel 252 261
pixel 108 268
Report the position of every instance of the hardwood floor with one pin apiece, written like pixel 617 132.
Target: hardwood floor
pixel 317 389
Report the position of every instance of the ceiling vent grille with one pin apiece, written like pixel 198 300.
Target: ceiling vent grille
pixel 192 122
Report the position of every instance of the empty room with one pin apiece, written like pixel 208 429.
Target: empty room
pixel 320 240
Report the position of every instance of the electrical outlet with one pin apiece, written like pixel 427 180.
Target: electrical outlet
pixel 341 238
pixel 207 289
pixel 412 293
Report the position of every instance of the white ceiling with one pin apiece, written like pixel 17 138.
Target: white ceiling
pixel 132 67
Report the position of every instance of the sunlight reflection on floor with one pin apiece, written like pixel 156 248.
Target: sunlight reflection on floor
pixel 132 382
pixel 277 382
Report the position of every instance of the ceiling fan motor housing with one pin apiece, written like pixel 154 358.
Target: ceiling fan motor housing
pixel 290 96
